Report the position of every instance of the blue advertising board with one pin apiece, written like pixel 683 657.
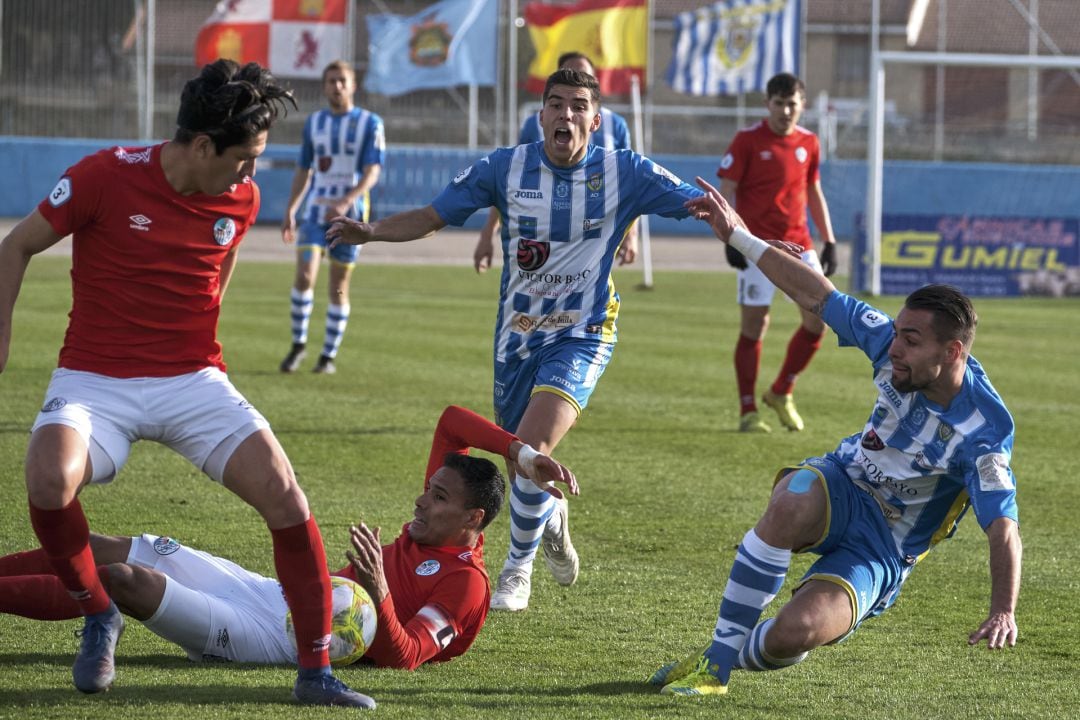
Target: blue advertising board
pixel 981 255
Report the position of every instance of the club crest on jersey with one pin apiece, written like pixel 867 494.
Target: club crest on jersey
pixel 871 441
pixel 224 231
pixel 944 432
pixel 800 154
pixel 61 193
pixel 428 567
pixel 165 545
pixel 53 405
pixel 595 182
pixel 532 254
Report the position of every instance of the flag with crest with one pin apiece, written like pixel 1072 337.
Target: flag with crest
pixel 735 46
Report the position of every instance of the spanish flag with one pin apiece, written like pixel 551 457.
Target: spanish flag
pixel 613 33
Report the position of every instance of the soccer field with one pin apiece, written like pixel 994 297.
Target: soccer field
pixel 668 490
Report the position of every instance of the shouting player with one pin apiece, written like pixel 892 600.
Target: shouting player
pixel 567 204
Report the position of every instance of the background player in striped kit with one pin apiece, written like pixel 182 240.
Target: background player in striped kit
pixel 938 442
pixel 770 174
pixel 567 205
pixel 341 156
pixel 614 134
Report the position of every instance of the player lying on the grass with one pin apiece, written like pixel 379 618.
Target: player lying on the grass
pixel 429 586
pixel 937 442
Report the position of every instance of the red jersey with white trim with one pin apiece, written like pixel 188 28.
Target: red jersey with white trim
pixel 146 264
pixel 439 596
pixel 773 173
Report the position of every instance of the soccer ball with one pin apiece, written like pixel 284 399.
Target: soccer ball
pixel 352 625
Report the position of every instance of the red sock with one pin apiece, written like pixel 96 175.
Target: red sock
pixel 300 561
pixel 29 562
pixel 40 597
pixel 800 350
pixel 747 359
pixel 65 538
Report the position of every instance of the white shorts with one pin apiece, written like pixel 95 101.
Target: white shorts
pixel 192 414
pixel 756 290
pixel 213 608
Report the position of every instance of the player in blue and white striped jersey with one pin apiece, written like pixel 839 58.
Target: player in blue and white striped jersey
pixel 614 134
pixel 567 205
pixel 938 442
pixel 341 156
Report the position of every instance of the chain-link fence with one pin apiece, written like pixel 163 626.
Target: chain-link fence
pixel 79 69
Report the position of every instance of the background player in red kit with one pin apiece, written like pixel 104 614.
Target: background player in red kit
pixel 770 174
pixel 155 235
pixel 430 586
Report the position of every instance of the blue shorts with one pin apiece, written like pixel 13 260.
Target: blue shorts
pixel 857 551
pixel 313 235
pixel 569 368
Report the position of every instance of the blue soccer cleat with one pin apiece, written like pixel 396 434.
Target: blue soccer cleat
pixel 95 665
pixel 328 690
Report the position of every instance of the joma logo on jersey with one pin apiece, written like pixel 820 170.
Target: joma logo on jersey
pixel 529 195
pixel 890 392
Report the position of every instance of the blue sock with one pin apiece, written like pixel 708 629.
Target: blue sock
pixel 756 577
pixel 753 655
pixel 312 673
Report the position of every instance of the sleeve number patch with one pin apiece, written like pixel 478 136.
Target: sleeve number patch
pixel 61 193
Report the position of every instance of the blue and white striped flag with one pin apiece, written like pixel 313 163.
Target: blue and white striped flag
pixel 735 46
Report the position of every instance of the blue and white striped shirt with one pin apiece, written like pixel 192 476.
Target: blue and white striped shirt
pixel 924 464
pixel 337 147
pixel 561 230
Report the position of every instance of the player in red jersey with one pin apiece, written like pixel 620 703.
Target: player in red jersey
pixel 770 173
pixel 430 586
pixel 155 237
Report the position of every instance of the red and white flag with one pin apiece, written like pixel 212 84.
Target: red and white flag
pixel 293 38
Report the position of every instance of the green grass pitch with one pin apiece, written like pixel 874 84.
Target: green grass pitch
pixel 668 490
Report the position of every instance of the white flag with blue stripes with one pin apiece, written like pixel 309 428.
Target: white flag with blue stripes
pixel 735 46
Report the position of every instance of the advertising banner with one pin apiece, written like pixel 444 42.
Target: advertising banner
pixel 981 255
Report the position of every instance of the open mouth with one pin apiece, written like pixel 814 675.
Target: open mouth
pixel 562 136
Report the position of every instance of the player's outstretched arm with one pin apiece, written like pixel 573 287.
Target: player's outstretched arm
pixel 542 469
pixel 783 266
pixel 1006 550
pixel 403 227
pixel 32 235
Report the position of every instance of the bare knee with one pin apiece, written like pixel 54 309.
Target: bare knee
pixel 260 473
pixel 795 517
pixel 754 321
pixel 136 590
pixel 818 614
pixel 57 465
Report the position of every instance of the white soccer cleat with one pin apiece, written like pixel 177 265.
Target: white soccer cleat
pixel 512 591
pixel 559 553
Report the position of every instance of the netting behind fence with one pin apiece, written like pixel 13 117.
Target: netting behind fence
pixel 78 69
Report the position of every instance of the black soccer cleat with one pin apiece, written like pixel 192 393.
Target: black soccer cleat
pixel 292 361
